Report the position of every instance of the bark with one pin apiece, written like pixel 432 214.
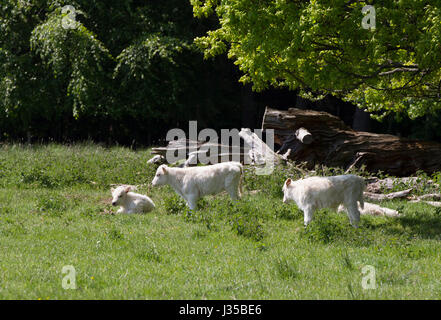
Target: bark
pixel 337 145
pixel 388 196
pixel 376 185
pixel 432 203
pixel 255 151
pixel 157 159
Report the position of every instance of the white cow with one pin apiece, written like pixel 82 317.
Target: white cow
pixel 195 182
pixel 131 202
pixel 315 193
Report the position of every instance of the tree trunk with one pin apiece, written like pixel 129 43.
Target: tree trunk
pixel 336 145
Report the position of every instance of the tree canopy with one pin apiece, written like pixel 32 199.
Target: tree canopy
pixel 124 68
pixel 320 47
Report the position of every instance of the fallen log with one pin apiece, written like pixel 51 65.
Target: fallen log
pixel 259 152
pixel 376 185
pixel 432 203
pixel 388 196
pixel 195 158
pixel 304 136
pixel 337 145
pixel 432 196
pixel 254 151
pixel 157 159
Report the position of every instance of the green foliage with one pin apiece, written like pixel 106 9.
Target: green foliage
pixel 150 253
pixel 286 270
pixel 270 185
pixel 75 56
pixel 43 166
pixel 115 234
pixel 246 220
pixel 52 204
pixel 126 71
pixel 321 48
pixel 174 204
pixel 247 226
pixel 328 227
pixel 255 248
pixel 288 212
pixel 346 261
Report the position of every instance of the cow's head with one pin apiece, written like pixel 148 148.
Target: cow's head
pixel 286 186
pixel 119 194
pixel 161 176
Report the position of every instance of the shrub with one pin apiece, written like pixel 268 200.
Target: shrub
pixel 328 227
pixel 286 211
pixel 174 204
pixel 286 270
pixel 150 253
pixel 246 220
pixel 115 234
pixel 52 204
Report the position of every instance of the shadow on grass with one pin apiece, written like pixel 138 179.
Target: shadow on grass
pixel 424 225
pixel 328 227
pixel 426 228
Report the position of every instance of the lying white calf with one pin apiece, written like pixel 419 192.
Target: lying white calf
pixel 131 202
pixel 374 210
pixel 315 193
pixel 195 182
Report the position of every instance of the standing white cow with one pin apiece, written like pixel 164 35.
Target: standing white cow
pixel 315 193
pixel 195 182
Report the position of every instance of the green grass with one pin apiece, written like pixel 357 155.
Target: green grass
pixel 55 211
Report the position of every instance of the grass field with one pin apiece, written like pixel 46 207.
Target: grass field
pixel 55 211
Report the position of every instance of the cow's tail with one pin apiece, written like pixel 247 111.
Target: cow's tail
pixel 360 198
pixel 241 181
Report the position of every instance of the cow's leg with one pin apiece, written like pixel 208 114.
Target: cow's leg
pixel 232 186
pixel 192 201
pixel 233 191
pixel 308 214
pixel 353 213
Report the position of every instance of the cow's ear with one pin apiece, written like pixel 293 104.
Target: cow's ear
pixel 127 189
pixel 112 189
pixel 288 182
pixel 164 170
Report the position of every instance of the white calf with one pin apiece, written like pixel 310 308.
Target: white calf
pixel 315 193
pixel 131 202
pixel 195 182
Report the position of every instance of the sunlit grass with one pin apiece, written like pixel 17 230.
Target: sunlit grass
pixel 55 211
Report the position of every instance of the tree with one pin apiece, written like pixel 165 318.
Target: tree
pixel 320 47
pixel 125 70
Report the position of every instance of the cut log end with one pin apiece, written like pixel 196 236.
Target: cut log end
pixel 337 145
pixel 304 136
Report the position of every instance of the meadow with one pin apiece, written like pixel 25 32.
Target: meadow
pixel 55 211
